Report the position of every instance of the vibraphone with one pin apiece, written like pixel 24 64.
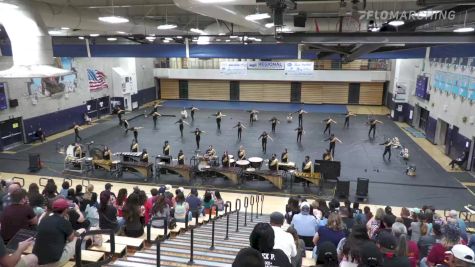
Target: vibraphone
pixel 231 173
pixel 274 177
pixel 129 156
pixel 314 177
pixel 183 170
pixel 144 168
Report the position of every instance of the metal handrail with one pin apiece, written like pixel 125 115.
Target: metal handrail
pixel 257 206
pixel 252 206
pixel 227 212
pixel 262 202
pixel 213 223
pixel 192 227
pixel 68 180
pixel 80 239
pixel 246 204
pixel 237 209
pixel 83 182
pixel 22 180
pixel 43 179
pixel 159 240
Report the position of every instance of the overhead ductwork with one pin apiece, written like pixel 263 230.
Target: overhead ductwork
pixel 225 13
pixel 31 44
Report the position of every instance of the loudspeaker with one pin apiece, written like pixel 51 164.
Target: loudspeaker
pixel 362 188
pixel 329 169
pixel 300 19
pixel 13 103
pixel 35 162
pixel 342 189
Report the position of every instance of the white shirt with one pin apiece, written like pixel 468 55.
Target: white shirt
pixel 285 242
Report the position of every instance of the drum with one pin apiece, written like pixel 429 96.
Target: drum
pixel 230 156
pixel 256 162
pixel 250 169
pixel 242 163
pixel 203 165
pixel 232 163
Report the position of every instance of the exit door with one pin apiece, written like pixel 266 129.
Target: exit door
pixel 11 132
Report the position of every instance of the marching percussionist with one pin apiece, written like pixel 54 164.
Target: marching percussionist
pixel 225 159
pixel 106 153
pixel 134 147
pixel 181 158
pixel 166 149
pixel 273 163
pixel 284 158
pixel 307 165
pixel 144 156
pixel 241 153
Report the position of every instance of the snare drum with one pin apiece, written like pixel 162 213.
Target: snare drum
pixel 242 163
pixel 250 170
pixel 256 162
pixel 232 163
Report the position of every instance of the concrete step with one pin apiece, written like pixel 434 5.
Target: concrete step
pixel 182 257
pixel 199 246
pixel 185 240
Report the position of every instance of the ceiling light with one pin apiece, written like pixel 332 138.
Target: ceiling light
pixel 251 38
pixel 120 32
pixel 94 34
pixel 221 33
pixel 464 29
pixel 166 26
pixel 215 1
pixel 168 38
pixel 227 40
pixel 426 13
pixel 257 16
pixel 269 25
pixel 113 19
pixel 258 39
pixel 8 6
pixel 166 41
pixel 396 23
pixel 81 37
pixel 151 38
pixel 196 30
pixel 218 40
pixel 233 36
pixel 284 29
pixel 179 37
pixel 111 39
pixel 55 32
pixel 65 28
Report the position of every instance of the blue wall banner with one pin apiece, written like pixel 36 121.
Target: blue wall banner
pixel 3 96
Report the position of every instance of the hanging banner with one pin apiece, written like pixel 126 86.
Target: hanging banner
pixel 233 67
pixel 265 65
pixel 298 68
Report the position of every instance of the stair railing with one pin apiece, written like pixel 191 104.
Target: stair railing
pixel 237 209
pixel 78 249
pixel 252 206
pixel 227 212
pixel 257 206
pixel 192 227
pixel 246 204
pixel 262 203
pixel 213 220
pixel 159 240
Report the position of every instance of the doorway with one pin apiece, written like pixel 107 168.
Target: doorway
pixel 472 157
pixel 441 134
pixel 423 119
pixel 11 133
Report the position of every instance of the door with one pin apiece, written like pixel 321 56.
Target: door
pixel 183 89
pixel 423 120
pixel 441 133
pixel 472 168
pixel 295 92
pixel 416 116
pixel 354 93
pixel 11 132
pixel 234 90
pixel 450 142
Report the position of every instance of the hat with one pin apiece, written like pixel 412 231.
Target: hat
pixel 327 253
pixel 162 189
pixel 108 186
pixel 181 189
pixel 248 257
pixel 60 204
pixel 463 253
pixel 168 187
pixel 370 255
pixel 304 204
pixel 277 218
pixel 415 210
pixel 387 241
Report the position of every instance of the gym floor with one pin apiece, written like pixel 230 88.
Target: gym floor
pixel 359 156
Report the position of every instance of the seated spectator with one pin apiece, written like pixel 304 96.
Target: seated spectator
pixel 425 242
pixel 50 191
pixel 160 209
pixel 208 201
pixel 218 200
pixel 370 256
pixel 406 218
pixel 79 195
pixel 248 257
pixel 368 214
pixel 40 134
pixel 120 201
pixel 262 239
pixel 181 209
pixel 149 204
pixel 406 247
pixel 389 212
pixel 356 208
pixel 389 248
pixel 386 225
pixel 305 224
pixel 461 256
pixel 453 218
pixel 333 232
pixel 374 223
pixel 348 207
pixel 327 256
pixel 6 200
pixel 108 214
pixel 351 251
pixel 450 238
pixel 55 240
pixel 90 197
pixel 283 240
pixel 64 189
pixel 35 199
pixel 291 208
pixel 108 188
pixel 18 215
pixel 71 195
pixel 334 205
pixel 315 211
pixel 16 258
pixel 194 202
pixel 77 219
pixel 296 261
pixel 347 221
pixel 134 220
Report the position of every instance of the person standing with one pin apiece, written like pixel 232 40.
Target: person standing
pixel 333 139
pixel 144 156
pixel 134 147
pixel 225 159
pixel 40 134
pixel 283 240
pixel 193 109
pixel 299 131
pixel 155 108
pixel 301 112
pixel 181 158
pixel 120 112
pixel 307 165
pixel 181 122
pixel 347 119
pixel 219 115
pixel 135 130
pixel 241 153
pixel 274 122
pixel 76 128
pixel 273 163
pixel 387 148
pixel 252 116
pixel 284 158
pixel 126 125
pixel 328 125
pixel 166 149
pixel 155 116
pixel 240 126
pixel 197 132
pixel 372 126
pixel 264 137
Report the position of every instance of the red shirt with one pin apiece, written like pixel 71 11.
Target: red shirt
pixel 413 253
pixel 120 208
pixel 437 254
pixel 148 208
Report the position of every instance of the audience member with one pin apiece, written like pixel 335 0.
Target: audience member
pixel 134 220
pixel 55 240
pixel 453 218
pixel 425 242
pixel 79 194
pixel 208 201
pixel 347 221
pixel 416 225
pixel 351 252
pixel 107 213
pixel 283 240
pixel 219 200
pixel 77 219
pixel 120 201
pixel 333 232
pixel 35 199
pixel 450 238
pixel 16 259
pixel 160 209
pixel 406 218
pixel 291 209
pixel 334 205
pixel 348 207
pixel 374 223
pixel 64 189
pixel 371 256
pixel 406 247
pixel 389 248
pixel 305 224
pixel 18 215
pixel 90 197
pixel 368 214
pixel 194 202
pixel 461 256
pixel 149 204
pixel 6 200
pixel 248 257
pixel 296 261
pixel 181 208
pixel 262 239
pixel 327 255
pixel 108 188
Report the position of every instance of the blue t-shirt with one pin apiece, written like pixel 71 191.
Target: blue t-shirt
pixel 305 225
pixel 194 202
pixel 327 234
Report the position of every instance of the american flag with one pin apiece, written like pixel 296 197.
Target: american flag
pixel 97 80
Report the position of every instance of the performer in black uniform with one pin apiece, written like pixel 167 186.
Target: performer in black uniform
pixel 126 125
pixel 106 153
pixel 119 114
pixel 252 113
pixel 327 155
pixel 347 119
pixel 299 131
pixel 219 115
pixel 155 116
pixel 155 108
pixel 387 148
pixel 135 130
pixel 273 163
pixel 328 125
pixel 241 153
pixel 166 149
pixel 225 159
pixel 333 139
pixel 181 158
pixel 77 150
pixel 76 133
pixel 240 126
pixel 193 109
pixel 307 165
pixel 134 147
pixel 264 137
pixel 144 156
pixel 372 126
pixel 197 134
pixel 274 122
pixel 181 122
pixel 284 158
pixel 301 112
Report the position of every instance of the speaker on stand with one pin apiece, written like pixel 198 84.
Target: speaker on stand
pixel 35 162
pixel 362 186
pixel 342 189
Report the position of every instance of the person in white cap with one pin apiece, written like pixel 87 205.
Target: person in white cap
pixel 461 256
pixel 305 224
